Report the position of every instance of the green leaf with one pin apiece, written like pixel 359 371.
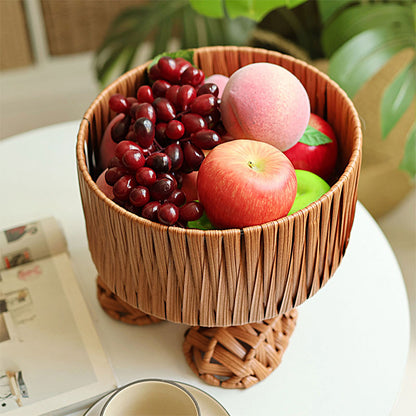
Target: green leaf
pixel 209 8
pixel 327 8
pixel 253 9
pixel 397 98
pixel 202 224
pixel 314 137
pixel 162 36
pixel 408 162
pixel 358 19
pixel 365 54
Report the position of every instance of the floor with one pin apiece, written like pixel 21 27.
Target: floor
pixel 61 89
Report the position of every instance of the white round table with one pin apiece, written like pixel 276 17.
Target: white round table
pixel 349 349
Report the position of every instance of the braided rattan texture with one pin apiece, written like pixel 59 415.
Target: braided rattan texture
pixel 223 277
pixel 238 356
pixel 120 310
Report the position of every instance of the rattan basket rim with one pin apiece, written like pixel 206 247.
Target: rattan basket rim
pixel 353 163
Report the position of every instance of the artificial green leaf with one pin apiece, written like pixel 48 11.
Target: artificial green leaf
pixel 408 162
pixel 360 18
pixel 202 224
pixel 328 9
pixel 397 98
pixel 209 8
pixel 314 137
pixel 365 54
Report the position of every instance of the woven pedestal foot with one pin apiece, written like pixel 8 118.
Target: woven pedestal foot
pixel 120 310
pixel 237 357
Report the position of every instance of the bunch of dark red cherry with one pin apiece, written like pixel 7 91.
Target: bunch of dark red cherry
pixel 163 135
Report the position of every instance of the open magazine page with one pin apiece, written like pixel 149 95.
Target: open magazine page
pixel 50 355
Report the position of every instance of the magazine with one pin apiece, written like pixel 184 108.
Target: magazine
pixel 51 359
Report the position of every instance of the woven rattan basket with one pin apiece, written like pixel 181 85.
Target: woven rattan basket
pixel 222 277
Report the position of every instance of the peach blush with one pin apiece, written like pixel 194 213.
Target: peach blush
pixel 107 147
pixel 220 80
pixel 265 102
pixel 104 187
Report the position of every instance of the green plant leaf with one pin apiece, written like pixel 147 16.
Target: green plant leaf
pixel 397 98
pixel 365 54
pixel 408 162
pixel 256 9
pixel 314 137
pixel 327 9
pixel 360 18
pixel 209 8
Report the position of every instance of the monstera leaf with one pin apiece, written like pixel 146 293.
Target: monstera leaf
pixel 252 9
pixel 359 40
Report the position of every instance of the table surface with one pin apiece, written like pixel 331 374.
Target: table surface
pixel 349 349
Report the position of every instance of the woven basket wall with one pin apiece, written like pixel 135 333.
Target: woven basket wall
pixel 224 277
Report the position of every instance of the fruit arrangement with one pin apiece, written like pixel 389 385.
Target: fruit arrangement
pixel 238 148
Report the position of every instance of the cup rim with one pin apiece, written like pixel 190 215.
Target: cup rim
pixel 159 380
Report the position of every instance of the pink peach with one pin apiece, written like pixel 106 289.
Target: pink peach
pixel 104 186
pixel 265 102
pixel 108 146
pixel 218 79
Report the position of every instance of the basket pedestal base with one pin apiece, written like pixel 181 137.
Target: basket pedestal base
pixel 120 310
pixel 234 357
pixel 237 357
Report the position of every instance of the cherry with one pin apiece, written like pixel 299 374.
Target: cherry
pixel 193 156
pixel 123 147
pixel 139 196
pixel 193 122
pixel 113 174
pixel 150 210
pixel 160 87
pixel 204 104
pixel 192 76
pixel 145 110
pixel 177 197
pixel 168 69
pixel 208 88
pixel 123 186
pixel 174 151
pixel 118 103
pixel 145 176
pixel 159 162
pixel 191 211
pixel 133 159
pixel 161 189
pixel 186 94
pixel 175 130
pixel 205 139
pixel 172 94
pixel 120 129
pixel 145 131
pixel 168 213
pixel 145 94
pixel 164 109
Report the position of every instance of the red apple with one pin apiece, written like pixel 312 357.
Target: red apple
pixel 246 182
pixel 317 149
